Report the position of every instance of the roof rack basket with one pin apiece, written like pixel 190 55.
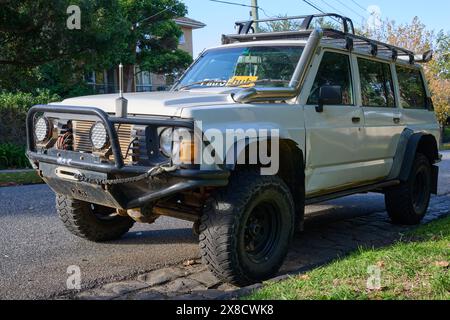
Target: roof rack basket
pixel 346 37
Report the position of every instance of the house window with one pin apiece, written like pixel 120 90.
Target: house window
pixel 143 80
pixel 98 81
pixel 182 39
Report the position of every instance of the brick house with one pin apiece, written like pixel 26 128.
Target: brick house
pixel 106 81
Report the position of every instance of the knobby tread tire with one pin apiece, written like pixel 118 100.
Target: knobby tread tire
pixel 221 221
pixel 399 199
pixel 78 217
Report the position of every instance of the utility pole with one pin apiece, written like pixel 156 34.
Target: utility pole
pixel 255 13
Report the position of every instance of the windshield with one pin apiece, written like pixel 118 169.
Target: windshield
pixel 243 67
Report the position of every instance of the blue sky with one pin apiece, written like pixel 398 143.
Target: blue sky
pixel 220 18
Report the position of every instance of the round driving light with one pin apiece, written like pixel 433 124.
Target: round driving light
pixel 42 129
pixel 166 142
pixel 99 136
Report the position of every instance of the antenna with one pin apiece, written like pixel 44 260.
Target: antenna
pixel 121 102
pixel 121 80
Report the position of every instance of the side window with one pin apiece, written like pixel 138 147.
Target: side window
pixel 412 89
pixel 376 84
pixel 334 70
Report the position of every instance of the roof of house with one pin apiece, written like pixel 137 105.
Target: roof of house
pixel 189 23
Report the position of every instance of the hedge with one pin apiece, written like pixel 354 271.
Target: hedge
pixel 13 111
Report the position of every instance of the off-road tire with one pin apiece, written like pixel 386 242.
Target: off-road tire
pixel 80 219
pixel 231 217
pixel 408 202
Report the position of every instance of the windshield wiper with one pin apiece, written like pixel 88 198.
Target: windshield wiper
pixel 202 82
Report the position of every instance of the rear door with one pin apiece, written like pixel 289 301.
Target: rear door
pixel 383 118
pixel 334 137
pixel 417 110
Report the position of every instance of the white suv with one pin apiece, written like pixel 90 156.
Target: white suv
pixel 341 114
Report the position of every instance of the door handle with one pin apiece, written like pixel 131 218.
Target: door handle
pixel 396 120
pixel 356 119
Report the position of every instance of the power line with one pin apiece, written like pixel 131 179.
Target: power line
pixel 242 5
pixel 351 9
pixel 360 6
pixel 314 6
pixel 136 25
pixel 235 4
pixel 332 7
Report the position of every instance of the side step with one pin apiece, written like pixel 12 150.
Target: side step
pixel 350 192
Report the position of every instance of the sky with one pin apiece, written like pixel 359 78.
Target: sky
pixel 220 18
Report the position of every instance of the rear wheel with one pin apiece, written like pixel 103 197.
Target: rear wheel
pixel 92 222
pixel 246 228
pixel 408 202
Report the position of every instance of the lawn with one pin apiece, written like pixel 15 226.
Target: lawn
pixel 415 268
pixel 19 178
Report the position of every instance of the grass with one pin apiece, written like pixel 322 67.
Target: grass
pixel 19 178
pixel 413 269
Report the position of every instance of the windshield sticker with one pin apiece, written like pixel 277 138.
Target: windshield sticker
pixel 242 81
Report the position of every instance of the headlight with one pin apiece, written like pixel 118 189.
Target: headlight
pixel 166 142
pixel 42 129
pixel 99 136
pixel 178 144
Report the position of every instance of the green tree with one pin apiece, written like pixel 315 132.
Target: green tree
pixel 152 42
pixel 38 50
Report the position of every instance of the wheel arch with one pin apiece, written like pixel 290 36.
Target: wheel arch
pixel 418 142
pixel 291 171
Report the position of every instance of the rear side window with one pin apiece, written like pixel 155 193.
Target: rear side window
pixel 376 84
pixel 334 70
pixel 412 90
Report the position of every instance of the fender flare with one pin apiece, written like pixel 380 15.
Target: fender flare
pixel 405 155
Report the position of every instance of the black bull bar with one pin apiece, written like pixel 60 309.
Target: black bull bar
pixel 176 181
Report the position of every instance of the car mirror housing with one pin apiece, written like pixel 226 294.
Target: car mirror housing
pixel 329 95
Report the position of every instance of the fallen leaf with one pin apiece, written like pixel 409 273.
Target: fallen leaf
pixel 304 277
pixel 189 263
pixel 380 264
pixel 443 264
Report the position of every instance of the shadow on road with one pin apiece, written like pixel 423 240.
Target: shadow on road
pixel 166 236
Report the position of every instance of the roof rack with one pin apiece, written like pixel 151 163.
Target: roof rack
pixel 345 37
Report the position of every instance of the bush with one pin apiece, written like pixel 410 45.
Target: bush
pixel 13 112
pixel 13 156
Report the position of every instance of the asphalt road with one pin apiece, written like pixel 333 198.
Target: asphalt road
pixel 36 250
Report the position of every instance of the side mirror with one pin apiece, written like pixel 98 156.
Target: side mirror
pixel 329 95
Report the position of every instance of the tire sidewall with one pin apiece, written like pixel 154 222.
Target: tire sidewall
pixel 281 200
pixel 421 163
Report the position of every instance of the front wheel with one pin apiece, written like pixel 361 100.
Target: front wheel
pixel 92 222
pixel 246 228
pixel 408 202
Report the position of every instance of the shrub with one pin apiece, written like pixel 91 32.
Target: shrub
pixel 13 111
pixel 13 156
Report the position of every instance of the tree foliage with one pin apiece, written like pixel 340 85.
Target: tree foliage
pixel 38 50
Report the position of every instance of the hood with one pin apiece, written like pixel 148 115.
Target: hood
pixel 164 103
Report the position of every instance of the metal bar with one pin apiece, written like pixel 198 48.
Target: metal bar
pixel 110 129
pixel 277 94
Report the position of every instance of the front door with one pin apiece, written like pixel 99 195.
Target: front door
pixel 334 137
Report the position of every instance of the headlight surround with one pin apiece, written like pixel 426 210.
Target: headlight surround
pixel 99 136
pixel 166 142
pixel 42 129
pixel 178 144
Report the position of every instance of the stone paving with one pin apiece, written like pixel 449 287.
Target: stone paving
pixel 318 245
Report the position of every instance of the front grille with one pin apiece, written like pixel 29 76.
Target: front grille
pixel 82 141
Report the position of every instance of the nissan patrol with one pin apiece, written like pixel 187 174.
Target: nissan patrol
pixel 341 114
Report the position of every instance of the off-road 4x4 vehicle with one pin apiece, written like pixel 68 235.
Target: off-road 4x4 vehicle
pixel 340 113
